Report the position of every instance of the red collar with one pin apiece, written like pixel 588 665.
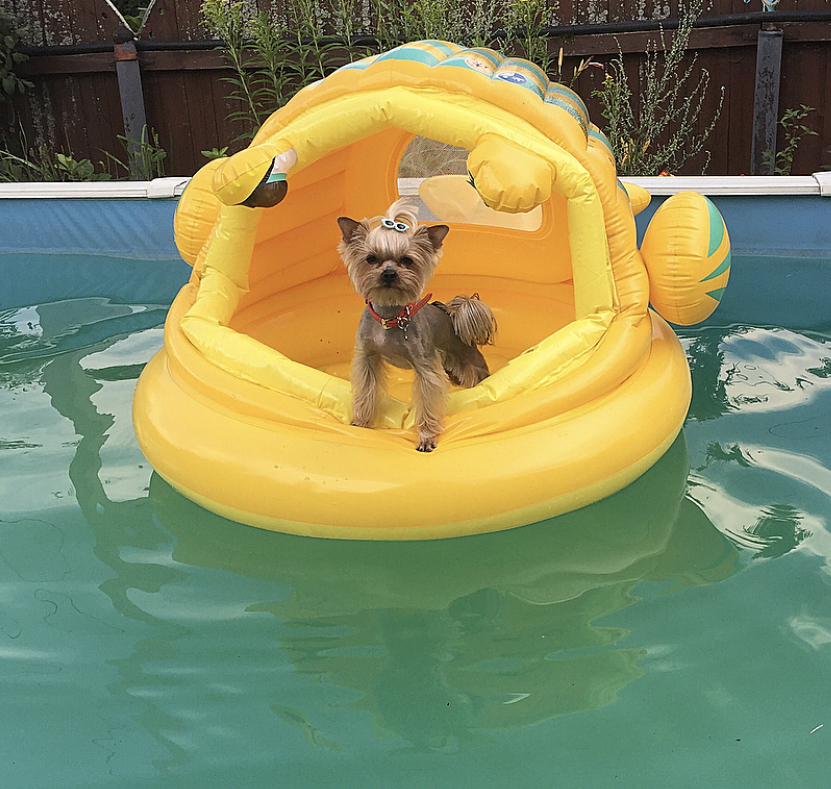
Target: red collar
pixel 404 316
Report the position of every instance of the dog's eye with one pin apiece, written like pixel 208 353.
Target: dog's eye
pixel 406 261
pixel 371 259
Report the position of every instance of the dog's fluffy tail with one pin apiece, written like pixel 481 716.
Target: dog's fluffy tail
pixel 472 320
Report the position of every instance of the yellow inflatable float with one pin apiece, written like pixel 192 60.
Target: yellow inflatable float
pixel 246 409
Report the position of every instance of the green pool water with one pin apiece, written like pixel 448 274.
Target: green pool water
pixel 677 634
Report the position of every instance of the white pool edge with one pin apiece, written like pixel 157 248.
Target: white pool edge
pixel 716 185
pixel 739 185
pixel 157 189
pixel 818 184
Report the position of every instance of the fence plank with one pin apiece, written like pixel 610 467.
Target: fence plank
pixel 87 63
pixel 183 60
pixel 188 21
pixel 185 126
pixel 92 20
pixel 825 131
pixel 163 22
pixel 712 62
pixel 804 67
pixel 30 12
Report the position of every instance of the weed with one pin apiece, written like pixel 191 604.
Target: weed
pixel 663 135
pixel 424 157
pixel 40 164
pixel 227 22
pixel 144 159
pixel 216 153
pixel 270 57
pixel 527 21
pixel 584 65
pixel 795 130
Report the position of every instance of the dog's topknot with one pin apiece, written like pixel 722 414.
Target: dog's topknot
pixel 404 210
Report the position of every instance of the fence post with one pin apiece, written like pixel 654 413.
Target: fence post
pixel 766 101
pixel 132 96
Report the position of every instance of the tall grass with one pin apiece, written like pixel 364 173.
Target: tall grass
pixel 668 129
pixel 271 56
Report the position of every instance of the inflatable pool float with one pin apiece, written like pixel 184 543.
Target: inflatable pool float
pixel 246 409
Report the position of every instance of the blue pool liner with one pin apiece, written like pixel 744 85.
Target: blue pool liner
pixel 109 227
pixel 66 248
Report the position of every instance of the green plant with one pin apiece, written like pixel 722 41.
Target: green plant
pixel 267 61
pixel 144 158
pixel 70 169
pixel 11 58
pixel 216 153
pixel 313 53
pixel 485 19
pixel 425 157
pixel 270 76
pixel 665 133
pixel 441 19
pixel 12 168
pixel 227 22
pixel 795 130
pixel 526 23
pixel 500 24
pixel 40 164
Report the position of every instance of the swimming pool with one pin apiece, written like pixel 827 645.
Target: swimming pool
pixel 677 634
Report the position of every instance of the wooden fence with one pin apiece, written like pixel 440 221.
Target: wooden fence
pixel 75 104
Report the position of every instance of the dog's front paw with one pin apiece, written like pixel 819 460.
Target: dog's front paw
pixel 427 444
pixel 357 423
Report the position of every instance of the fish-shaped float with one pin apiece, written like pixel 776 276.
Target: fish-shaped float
pixel 247 408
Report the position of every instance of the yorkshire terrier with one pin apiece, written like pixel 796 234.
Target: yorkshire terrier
pixel 390 263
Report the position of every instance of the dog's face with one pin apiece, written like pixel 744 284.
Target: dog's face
pixel 390 264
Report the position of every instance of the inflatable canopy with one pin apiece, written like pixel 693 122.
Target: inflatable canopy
pixel 246 410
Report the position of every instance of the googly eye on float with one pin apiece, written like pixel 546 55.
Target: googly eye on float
pixel 400 227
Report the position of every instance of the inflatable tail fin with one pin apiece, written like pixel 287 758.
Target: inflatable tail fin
pixel 472 319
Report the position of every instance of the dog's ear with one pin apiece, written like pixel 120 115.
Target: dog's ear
pixel 348 228
pixel 436 234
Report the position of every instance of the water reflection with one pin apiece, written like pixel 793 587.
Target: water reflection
pixel 783 375
pixel 50 345
pixel 753 369
pixel 445 640
pixel 121 529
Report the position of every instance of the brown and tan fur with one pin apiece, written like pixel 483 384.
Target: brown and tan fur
pixel 391 269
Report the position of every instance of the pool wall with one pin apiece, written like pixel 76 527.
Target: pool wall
pixel 768 218
pixel 72 241
pixel 105 218
pixel 767 214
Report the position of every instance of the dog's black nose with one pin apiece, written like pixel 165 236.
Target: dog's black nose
pixel 389 275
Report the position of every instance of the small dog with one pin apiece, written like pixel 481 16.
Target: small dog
pixel 389 264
